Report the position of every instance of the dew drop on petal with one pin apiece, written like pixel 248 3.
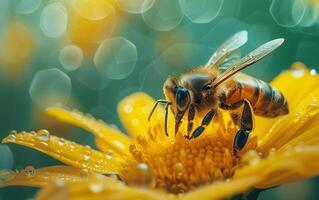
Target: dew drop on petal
pixel 313 72
pixel 71 57
pixel 50 87
pixel 116 58
pixel 6 175
pixel 287 13
pixel 43 135
pixel 201 11
pixel 7 159
pixel 164 15
pixel 141 175
pixel 29 170
pixel 53 20
pixel 27 6
pixel 128 108
pixel 97 184
pixel 135 6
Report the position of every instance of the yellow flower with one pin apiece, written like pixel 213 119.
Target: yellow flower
pixel 149 165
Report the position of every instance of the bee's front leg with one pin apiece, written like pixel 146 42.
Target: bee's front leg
pixel 206 120
pixel 244 120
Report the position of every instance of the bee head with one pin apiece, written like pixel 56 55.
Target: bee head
pixel 182 99
pixel 179 97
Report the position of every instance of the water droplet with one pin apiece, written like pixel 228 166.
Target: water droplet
pixel 29 170
pixel 53 20
pixel 313 72
pixel 11 138
pixel 164 15
pixel 135 6
pixel 6 175
pixel 287 13
pixel 49 87
pixel 98 184
pixel 109 154
pixel 116 58
pixel 141 175
pixel 61 142
pixel 27 6
pixel 43 145
pixel 178 167
pixel 71 57
pixel 87 153
pixel 298 73
pixel 201 11
pixel 128 108
pixel 43 135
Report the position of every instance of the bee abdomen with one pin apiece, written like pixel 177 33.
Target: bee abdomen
pixel 264 99
pixel 270 101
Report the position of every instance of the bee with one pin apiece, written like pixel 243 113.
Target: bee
pixel 219 85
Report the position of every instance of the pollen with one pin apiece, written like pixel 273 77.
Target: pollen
pixel 179 165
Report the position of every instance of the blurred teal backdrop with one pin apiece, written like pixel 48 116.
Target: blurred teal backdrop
pixel 90 54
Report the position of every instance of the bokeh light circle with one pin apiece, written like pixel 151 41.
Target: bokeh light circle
pixel 92 10
pixel 201 11
pixel 116 58
pixel 135 6
pixel 90 23
pixel 164 15
pixel 310 16
pixel 287 13
pixel 28 6
pixel 50 87
pixel 53 20
pixel 71 57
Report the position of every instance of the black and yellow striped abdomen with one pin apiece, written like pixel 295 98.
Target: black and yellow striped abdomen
pixel 265 100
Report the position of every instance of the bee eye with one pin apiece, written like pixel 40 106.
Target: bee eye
pixel 207 87
pixel 175 90
pixel 182 98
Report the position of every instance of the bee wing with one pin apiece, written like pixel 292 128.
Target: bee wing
pixel 228 60
pixel 249 59
pixel 227 48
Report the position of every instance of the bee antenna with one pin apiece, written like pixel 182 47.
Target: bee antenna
pixel 155 105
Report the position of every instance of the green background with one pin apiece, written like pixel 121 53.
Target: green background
pixel 17 108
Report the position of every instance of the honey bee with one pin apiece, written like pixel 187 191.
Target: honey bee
pixel 219 84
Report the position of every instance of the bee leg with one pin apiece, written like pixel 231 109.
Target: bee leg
pixel 166 112
pixel 191 115
pixel 245 122
pixel 206 120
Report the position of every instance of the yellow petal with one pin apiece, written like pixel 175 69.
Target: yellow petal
pixel 68 152
pixel 304 117
pixel 309 137
pixel 41 177
pixel 295 84
pixel 117 140
pixel 99 188
pixel 134 111
pixel 224 189
pixel 286 165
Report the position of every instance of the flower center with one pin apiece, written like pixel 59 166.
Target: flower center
pixel 179 165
